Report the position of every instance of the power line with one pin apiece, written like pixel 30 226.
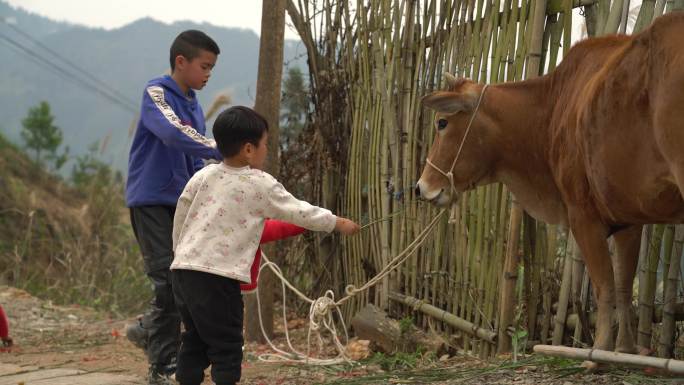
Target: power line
pixel 87 86
pixel 36 61
pixel 70 63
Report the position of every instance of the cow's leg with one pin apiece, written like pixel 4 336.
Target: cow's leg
pixel 590 235
pixel 627 244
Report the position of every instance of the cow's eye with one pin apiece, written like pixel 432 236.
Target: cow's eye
pixel 441 124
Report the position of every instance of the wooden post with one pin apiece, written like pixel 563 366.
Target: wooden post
pixel 507 306
pixel 267 103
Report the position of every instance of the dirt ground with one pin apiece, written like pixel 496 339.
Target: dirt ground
pixel 73 337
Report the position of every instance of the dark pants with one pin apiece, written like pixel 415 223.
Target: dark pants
pixel 153 226
pixel 212 310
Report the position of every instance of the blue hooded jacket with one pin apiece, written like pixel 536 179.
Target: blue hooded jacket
pixel 168 146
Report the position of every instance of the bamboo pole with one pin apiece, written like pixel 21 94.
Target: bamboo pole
pixel 534 54
pixel 677 312
pixel 532 272
pixel 555 41
pixel 582 327
pixel 602 13
pixel 666 253
pixel 659 8
pixel 666 346
pixel 550 235
pixel 497 258
pixel 441 315
pixel 561 313
pixel 596 355
pixel 614 17
pixel 510 276
pixel 567 27
pixel 647 287
pixel 624 17
pixel 645 15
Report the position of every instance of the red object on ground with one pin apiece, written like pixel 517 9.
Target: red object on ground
pixel 4 329
pixel 273 230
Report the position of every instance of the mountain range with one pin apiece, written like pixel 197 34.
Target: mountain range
pixel 73 67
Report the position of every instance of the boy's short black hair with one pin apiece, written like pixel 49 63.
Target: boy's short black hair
pixel 189 43
pixel 237 126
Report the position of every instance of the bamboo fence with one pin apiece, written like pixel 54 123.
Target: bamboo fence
pixel 514 279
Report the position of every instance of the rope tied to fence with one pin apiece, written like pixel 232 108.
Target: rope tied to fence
pixel 322 309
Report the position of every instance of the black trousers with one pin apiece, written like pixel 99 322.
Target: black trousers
pixel 212 311
pixel 153 226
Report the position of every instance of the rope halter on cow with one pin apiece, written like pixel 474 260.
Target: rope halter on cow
pixel 450 175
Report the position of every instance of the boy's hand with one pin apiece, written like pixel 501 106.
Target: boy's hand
pixel 346 226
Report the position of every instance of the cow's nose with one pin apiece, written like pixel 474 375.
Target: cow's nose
pixel 417 190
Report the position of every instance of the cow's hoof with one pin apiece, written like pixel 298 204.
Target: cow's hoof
pixel 645 351
pixel 591 367
pixel 627 349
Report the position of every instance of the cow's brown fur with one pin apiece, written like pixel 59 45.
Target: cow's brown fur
pixel 598 145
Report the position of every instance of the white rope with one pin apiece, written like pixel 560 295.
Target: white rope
pixel 320 315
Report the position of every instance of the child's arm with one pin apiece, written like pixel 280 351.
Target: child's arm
pixel 275 230
pixel 159 117
pixel 280 204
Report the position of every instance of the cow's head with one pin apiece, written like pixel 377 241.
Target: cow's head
pixel 454 108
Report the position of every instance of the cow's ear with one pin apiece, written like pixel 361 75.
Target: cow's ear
pixel 453 83
pixel 449 103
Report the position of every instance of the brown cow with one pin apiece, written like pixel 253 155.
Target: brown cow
pixel 597 145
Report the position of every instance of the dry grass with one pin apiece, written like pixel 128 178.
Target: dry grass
pixel 66 244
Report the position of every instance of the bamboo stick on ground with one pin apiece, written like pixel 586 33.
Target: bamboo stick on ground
pixel 441 315
pixel 596 355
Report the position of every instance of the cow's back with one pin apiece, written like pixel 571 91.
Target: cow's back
pixel 604 144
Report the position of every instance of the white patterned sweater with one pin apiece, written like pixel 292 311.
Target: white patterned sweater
pixel 220 217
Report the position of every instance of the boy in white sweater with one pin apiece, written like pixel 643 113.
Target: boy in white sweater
pixel 217 227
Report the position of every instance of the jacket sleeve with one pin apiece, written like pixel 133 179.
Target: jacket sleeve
pixel 275 230
pixel 159 117
pixel 280 204
pixel 198 164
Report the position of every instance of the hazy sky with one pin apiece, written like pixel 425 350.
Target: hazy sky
pixel 116 13
pixel 229 13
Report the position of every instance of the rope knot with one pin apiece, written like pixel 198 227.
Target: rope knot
pixel 349 290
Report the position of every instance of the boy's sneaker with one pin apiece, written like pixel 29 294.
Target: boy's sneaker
pixel 160 375
pixel 137 334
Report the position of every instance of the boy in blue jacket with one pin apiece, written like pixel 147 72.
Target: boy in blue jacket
pixel 168 148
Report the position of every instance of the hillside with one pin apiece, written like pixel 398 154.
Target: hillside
pixel 67 244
